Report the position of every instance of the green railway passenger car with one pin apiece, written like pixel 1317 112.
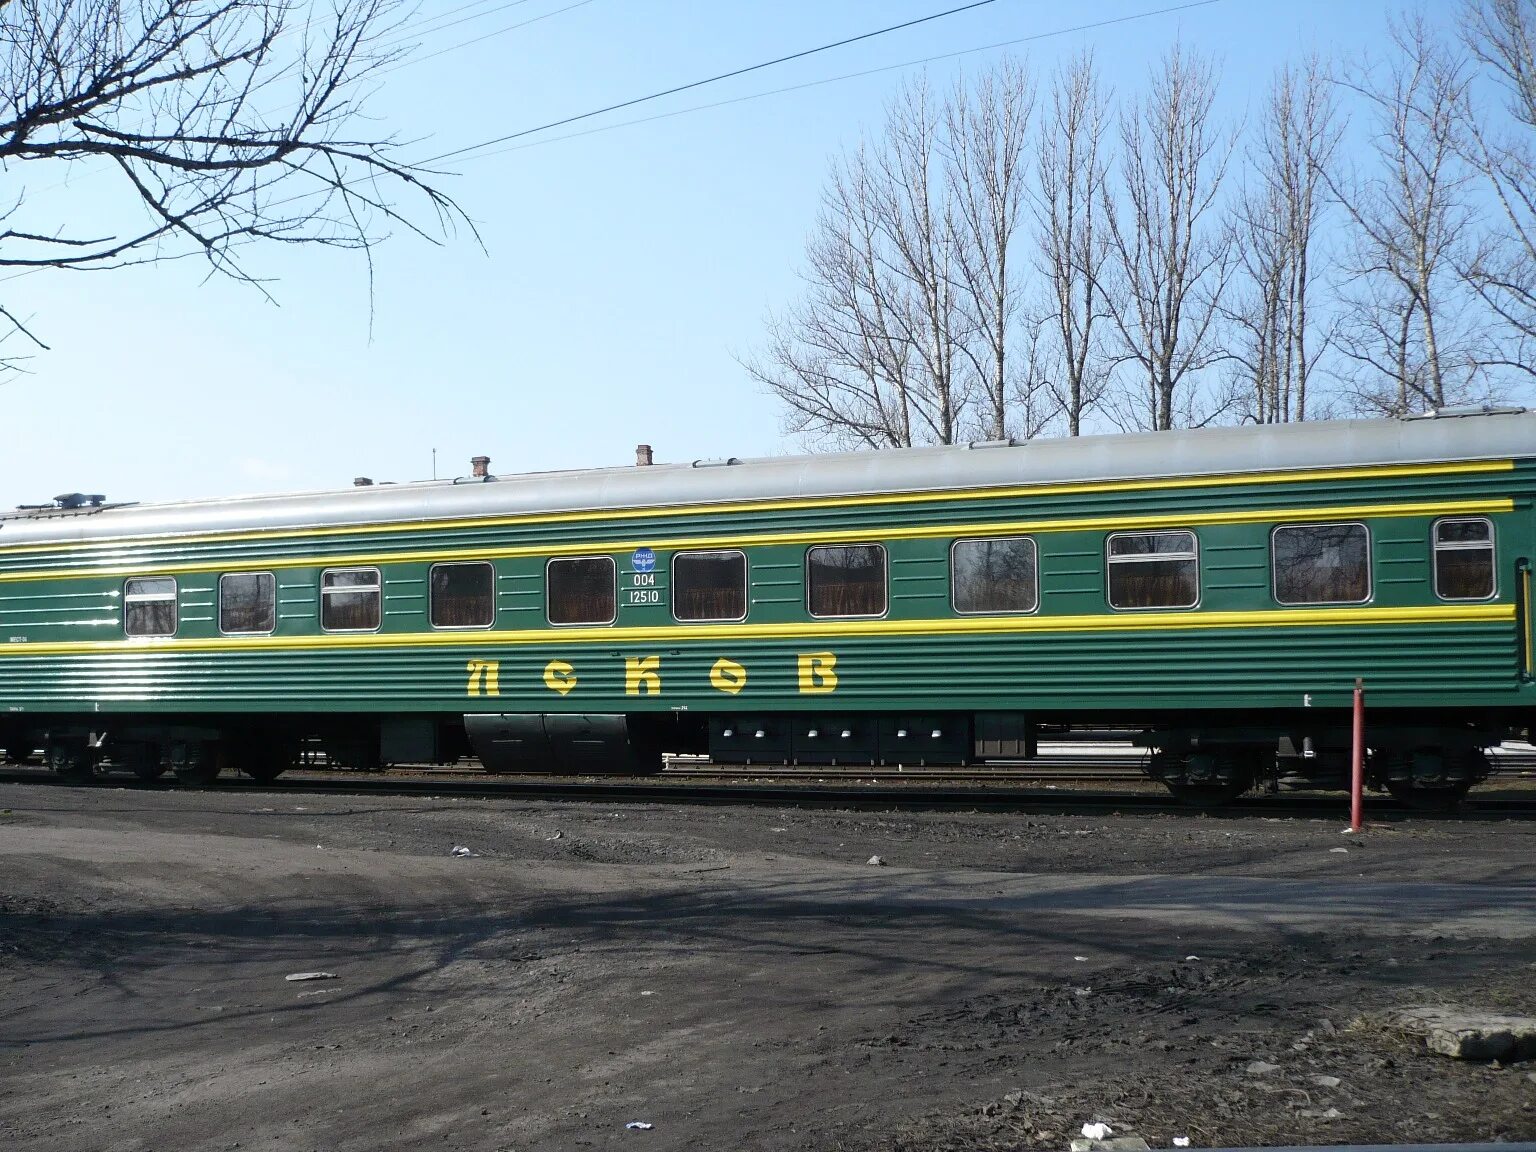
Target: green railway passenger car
pixel 1218 591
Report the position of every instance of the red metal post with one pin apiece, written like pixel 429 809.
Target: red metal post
pixel 1357 761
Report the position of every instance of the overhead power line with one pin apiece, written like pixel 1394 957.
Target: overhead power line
pixel 441 21
pixel 410 60
pixel 1094 25
pixel 713 79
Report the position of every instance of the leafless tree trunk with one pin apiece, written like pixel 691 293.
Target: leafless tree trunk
pixel 1409 324
pixel 1277 230
pixel 985 133
pixel 1172 251
pixel 224 122
pixel 1074 245
pixel 1501 35
pixel 907 331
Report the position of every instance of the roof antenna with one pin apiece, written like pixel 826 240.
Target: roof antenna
pixel 434 463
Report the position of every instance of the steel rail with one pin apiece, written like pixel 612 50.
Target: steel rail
pixel 805 795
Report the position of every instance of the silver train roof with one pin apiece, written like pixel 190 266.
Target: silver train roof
pixel 1482 435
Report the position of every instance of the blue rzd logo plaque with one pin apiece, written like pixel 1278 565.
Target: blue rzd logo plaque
pixel 644 560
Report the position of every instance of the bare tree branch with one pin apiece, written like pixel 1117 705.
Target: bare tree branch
pixel 1073 241
pixel 986 131
pixel 225 121
pixel 1278 218
pixel 1410 326
pixel 1173 255
pixel 1501 35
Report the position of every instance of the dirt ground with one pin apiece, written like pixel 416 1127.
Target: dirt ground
pixel 738 978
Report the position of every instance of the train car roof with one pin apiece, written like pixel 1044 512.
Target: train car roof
pixel 1446 436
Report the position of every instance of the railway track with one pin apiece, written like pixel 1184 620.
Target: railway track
pixel 1107 762
pixel 863 793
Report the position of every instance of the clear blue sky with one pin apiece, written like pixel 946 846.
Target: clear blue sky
pixel 624 270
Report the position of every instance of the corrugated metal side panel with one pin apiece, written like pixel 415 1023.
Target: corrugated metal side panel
pixel 1423 665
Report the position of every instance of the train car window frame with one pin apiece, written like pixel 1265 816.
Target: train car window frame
pixel 1190 555
pixel 1490 547
pixel 376 588
pixel 613 589
pixel 954 582
pixel 715 553
pixel 271 604
pixel 885 584
pixel 135 602
pixel 1274 571
pixel 490 597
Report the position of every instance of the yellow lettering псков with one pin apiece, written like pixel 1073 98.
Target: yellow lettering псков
pixel 816 674
pixel 642 676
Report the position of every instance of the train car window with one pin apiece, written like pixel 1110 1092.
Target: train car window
pixel 581 591
pixel 1321 563
pixel 996 575
pixel 1153 570
pixel 463 595
pixel 709 586
pixel 1464 559
pixel 247 602
pixel 846 580
pixel 349 599
pixel 149 606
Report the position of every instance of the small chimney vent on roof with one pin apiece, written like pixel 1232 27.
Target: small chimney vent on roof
pixel 362 482
pixel 643 458
pixel 481 466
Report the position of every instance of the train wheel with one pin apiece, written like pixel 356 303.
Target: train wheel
pixel 73 763
pixel 1208 777
pixel 195 763
pixel 1432 778
pixel 145 762
pixel 261 759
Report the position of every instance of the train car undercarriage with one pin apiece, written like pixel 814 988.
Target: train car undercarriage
pixel 1206 760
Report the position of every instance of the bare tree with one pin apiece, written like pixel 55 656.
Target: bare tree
pixel 1501 35
pixel 868 357
pixel 906 330
pixel 1278 219
pixel 1173 254
pixel 985 133
pixel 223 122
pixel 1071 169
pixel 1409 325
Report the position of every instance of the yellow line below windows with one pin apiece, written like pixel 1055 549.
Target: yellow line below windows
pixel 822 632
pixel 770 539
pixel 792 504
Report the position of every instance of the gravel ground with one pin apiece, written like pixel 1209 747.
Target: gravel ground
pixel 739 977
